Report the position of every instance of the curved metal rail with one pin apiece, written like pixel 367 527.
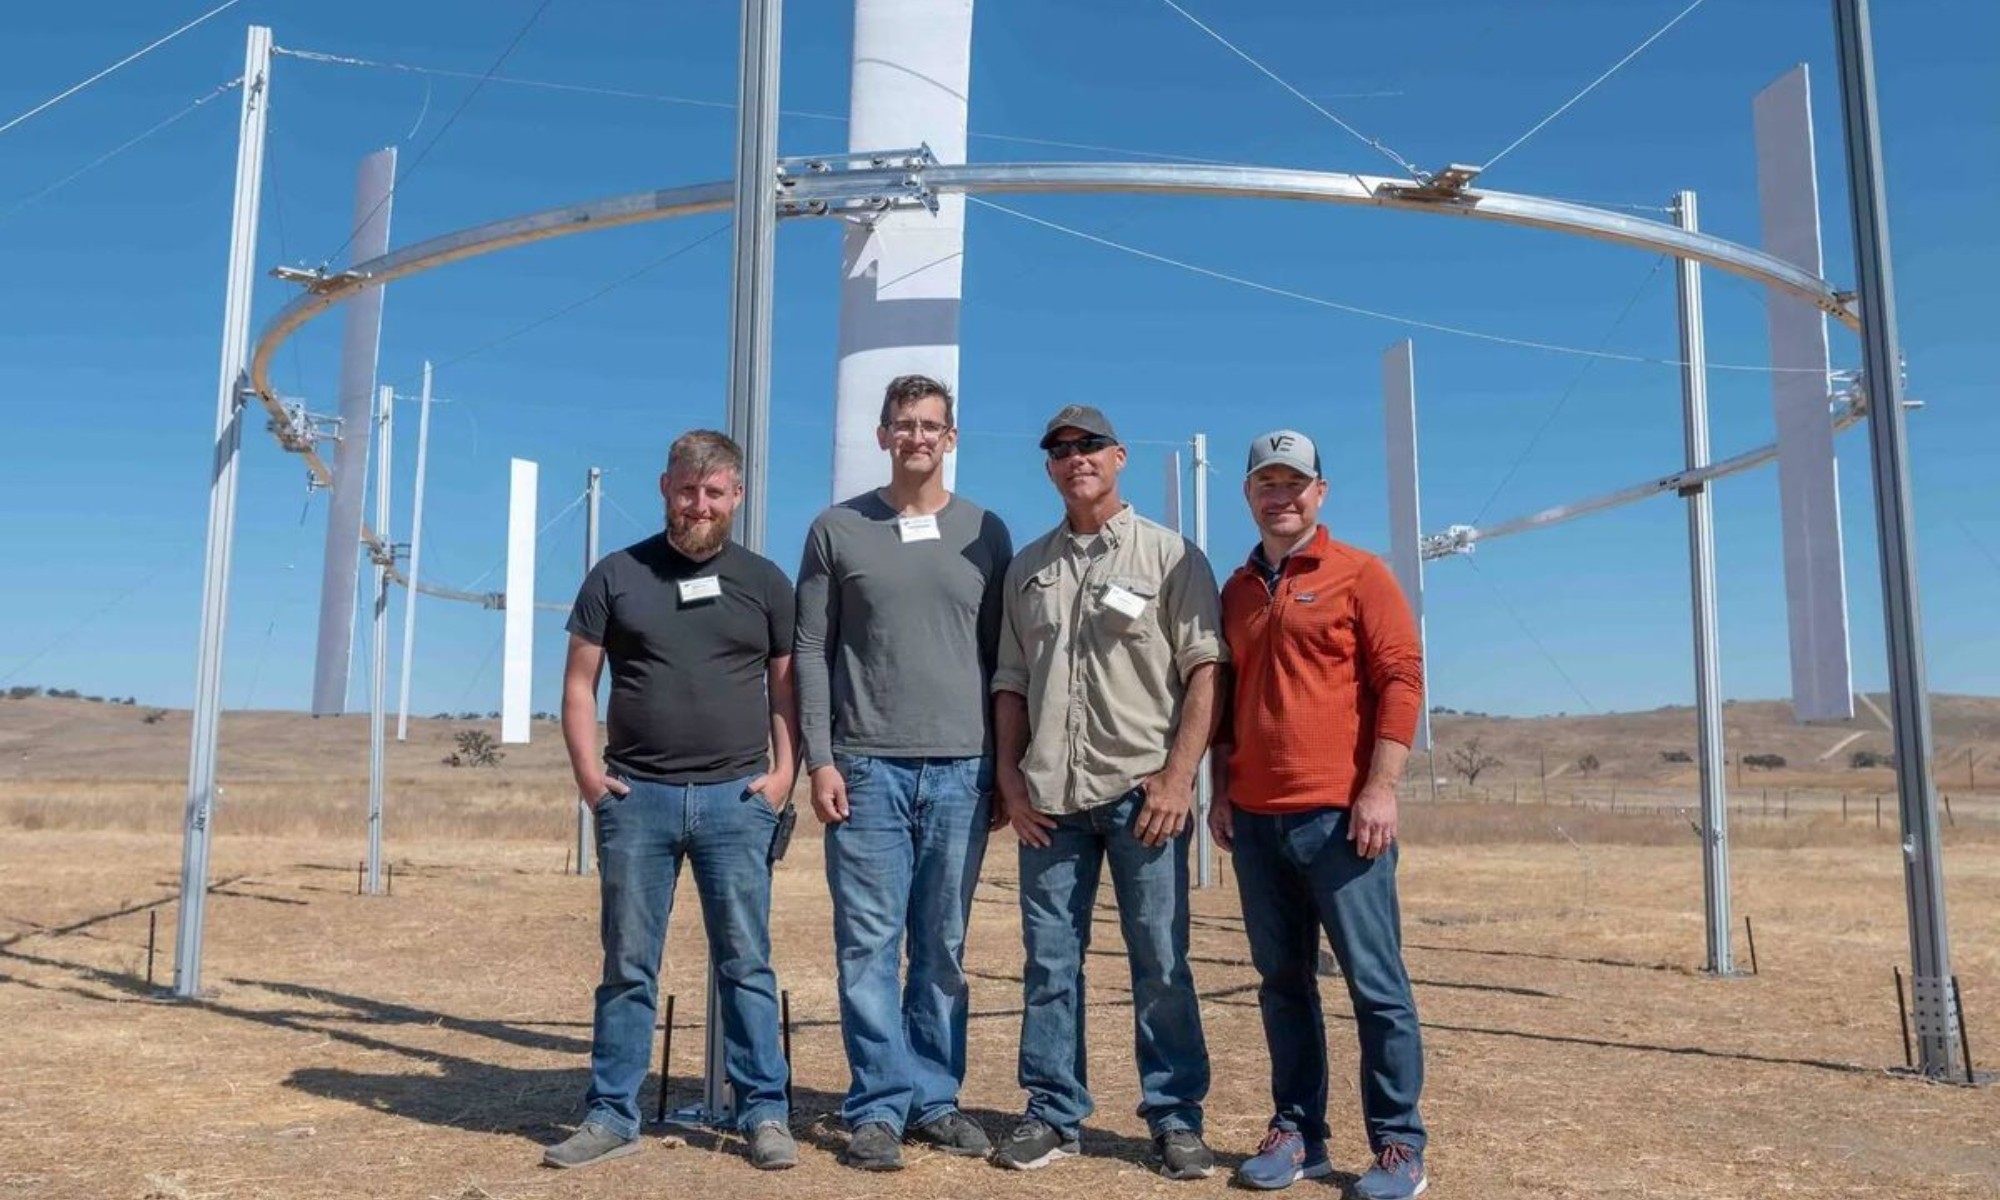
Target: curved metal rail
pixel 817 194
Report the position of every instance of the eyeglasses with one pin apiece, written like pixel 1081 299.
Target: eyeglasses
pixel 909 428
pixel 1083 445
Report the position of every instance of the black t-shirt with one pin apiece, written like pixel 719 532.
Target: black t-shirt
pixel 688 696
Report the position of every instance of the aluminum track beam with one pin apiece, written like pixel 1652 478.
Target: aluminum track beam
pixel 896 184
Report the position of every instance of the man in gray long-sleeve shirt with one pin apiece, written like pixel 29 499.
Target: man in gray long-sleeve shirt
pixel 899 615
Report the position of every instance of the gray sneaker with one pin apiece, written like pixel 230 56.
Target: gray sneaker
pixel 589 1145
pixel 1035 1144
pixel 772 1147
pixel 873 1146
pixel 953 1133
pixel 1183 1155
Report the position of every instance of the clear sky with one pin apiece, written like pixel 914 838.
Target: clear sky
pixel 110 309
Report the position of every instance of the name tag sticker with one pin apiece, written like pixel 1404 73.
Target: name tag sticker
pixel 1119 600
pixel 701 587
pixel 918 529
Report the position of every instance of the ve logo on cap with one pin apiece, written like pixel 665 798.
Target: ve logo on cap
pixel 1281 442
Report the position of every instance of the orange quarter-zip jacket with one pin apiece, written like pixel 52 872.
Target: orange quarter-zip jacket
pixel 1324 662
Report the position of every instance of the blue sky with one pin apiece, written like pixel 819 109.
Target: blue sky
pixel 110 310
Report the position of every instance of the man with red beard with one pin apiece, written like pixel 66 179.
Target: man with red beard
pixel 699 761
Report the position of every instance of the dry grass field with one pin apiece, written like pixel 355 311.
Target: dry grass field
pixel 426 1044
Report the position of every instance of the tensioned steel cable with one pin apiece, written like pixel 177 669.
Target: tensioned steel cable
pixel 133 57
pixel 1590 87
pixel 1373 143
pixel 114 152
pixel 1377 314
pixel 1529 633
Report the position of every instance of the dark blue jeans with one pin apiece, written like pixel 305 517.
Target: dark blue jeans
pixel 1058 896
pixel 901 869
pixel 724 831
pixel 1297 875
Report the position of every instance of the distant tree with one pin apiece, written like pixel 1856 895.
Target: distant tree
pixel 1863 759
pixel 1764 762
pixel 1676 756
pixel 65 694
pixel 444 716
pixel 130 701
pixel 1439 710
pixel 95 699
pixel 476 748
pixel 1588 764
pixel 1471 760
pixel 154 716
pixel 23 693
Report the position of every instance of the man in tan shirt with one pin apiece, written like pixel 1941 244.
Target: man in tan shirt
pixel 1104 700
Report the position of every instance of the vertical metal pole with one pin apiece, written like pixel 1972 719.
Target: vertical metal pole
pixel 586 832
pixel 1701 573
pixel 1204 787
pixel 751 289
pixel 378 647
pixel 416 561
pixel 1937 1016
pixel 200 809
pixel 750 301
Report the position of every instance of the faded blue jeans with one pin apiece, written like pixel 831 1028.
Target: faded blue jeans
pixel 1058 898
pixel 901 869
pixel 1298 875
pixel 724 832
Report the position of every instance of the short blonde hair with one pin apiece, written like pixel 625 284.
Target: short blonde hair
pixel 703 452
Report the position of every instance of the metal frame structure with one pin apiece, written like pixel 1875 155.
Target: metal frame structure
pixel 907 181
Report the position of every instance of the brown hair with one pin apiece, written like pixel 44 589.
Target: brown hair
pixel 908 389
pixel 704 452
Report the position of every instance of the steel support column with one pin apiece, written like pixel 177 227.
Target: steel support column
pixel 199 815
pixel 1701 574
pixel 384 561
pixel 1935 1008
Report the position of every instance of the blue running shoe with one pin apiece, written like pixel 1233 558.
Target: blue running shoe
pixel 1398 1174
pixel 1283 1158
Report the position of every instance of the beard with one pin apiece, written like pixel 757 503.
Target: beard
pixel 699 539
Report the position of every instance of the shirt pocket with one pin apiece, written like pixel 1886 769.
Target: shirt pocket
pixel 1325 627
pixel 1126 607
pixel 1039 602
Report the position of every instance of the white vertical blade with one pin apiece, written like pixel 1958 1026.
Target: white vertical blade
pixel 518 647
pixel 1399 413
pixel 1808 480
pixel 416 561
pixel 360 343
pixel 900 276
pixel 1173 510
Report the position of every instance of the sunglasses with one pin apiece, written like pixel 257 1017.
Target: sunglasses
pixel 1083 445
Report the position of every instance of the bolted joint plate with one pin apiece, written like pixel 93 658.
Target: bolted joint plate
pixel 858 184
pixel 1934 1009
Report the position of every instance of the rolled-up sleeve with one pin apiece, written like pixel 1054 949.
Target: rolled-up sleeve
pixel 1010 667
pixel 1193 612
pixel 1393 653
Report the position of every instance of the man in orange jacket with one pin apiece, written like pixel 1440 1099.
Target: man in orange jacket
pixel 1328 689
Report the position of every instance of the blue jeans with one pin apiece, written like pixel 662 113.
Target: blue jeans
pixel 1298 874
pixel 901 869
pixel 1058 896
pixel 725 831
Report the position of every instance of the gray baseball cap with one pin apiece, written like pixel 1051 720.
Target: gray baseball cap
pixel 1078 416
pixel 1283 448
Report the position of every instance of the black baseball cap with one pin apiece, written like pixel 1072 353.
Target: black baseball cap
pixel 1078 416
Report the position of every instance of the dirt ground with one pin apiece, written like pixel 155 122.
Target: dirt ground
pixel 426 1044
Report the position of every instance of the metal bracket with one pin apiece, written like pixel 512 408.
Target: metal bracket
pixel 1456 539
pixel 300 431
pixel 385 554
pixel 1445 187
pixel 316 279
pixel 811 186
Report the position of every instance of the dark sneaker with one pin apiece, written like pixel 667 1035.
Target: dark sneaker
pixel 1284 1157
pixel 772 1147
pixel 1034 1144
pixel 589 1145
pixel 1183 1155
pixel 873 1146
pixel 953 1133
pixel 1398 1174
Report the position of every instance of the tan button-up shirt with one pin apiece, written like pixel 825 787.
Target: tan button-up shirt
pixel 1099 635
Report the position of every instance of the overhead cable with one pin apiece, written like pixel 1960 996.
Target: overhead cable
pixel 1372 143
pixel 133 57
pixel 1590 87
pixel 1377 314
pixel 404 176
pixel 107 156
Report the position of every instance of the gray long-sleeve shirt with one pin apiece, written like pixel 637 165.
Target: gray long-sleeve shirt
pixel 897 631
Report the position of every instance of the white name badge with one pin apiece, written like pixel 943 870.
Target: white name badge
pixel 918 529
pixel 1119 600
pixel 701 587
